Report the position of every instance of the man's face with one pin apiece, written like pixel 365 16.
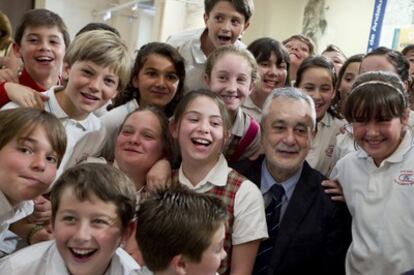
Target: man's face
pixel 287 135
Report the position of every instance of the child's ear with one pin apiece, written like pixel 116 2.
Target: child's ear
pixel 246 25
pixel 205 18
pixel 178 264
pixel 173 128
pixel 128 231
pixel 66 70
pixel 16 50
pixel 206 79
pixel 135 82
pixel 405 117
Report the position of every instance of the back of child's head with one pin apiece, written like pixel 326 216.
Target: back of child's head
pixel 21 122
pixel 231 49
pixel 316 62
pixel 41 18
pixel 376 95
pixel 397 60
pixel 161 49
pixel 244 7
pixel 177 221
pixel 189 97
pixel 103 48
pixel 101 180
pixel 304 39
pixel 263 48
pixel 98 26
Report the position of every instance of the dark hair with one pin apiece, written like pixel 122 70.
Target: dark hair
pixel 245 7
pixel 308 41
pixel 263 48
pixel 177 221
pixel 20 122
pixel 104 181
pixel 319 61
pixel 98 26
pixel 407 48
pixel 334 48
pixel 40 18
pixel 164 50
pixel 375 95
pixel 397 59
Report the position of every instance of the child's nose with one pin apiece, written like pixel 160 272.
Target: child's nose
pixel 95 84
pixel 39 162
pixel 83 232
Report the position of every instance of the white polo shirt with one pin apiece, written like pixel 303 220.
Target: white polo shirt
pixel 44 258
pixel 381 202
pixel 75 129
pixel 252 109
pixel 188 44
pixel 9 215
pixel 249 214
pixel 321 155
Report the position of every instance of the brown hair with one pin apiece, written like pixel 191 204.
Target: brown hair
pixel 40 18
pixel 304 39
pixel 20 122
pixel 104 181
pixel 177 221
pixel 245 7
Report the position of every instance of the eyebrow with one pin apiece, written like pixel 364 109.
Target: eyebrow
pixel 198 113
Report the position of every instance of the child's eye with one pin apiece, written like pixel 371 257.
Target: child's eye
pixel 52 159
pixel 216 123
pixel 151 73
pixel 86 72
pixel 25 150
pixel 69 219
pixel 264 64
pixel 54 42
pixel 109 81
pixel 282 66
pixel 235 22
pixel 148 136
pixel 127 132
pixel 172 77
pixel 100 222
pixel 219 18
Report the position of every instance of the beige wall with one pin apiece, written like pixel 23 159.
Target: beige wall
pixel 348 22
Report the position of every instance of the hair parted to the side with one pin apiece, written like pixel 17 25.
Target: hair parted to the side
pixel 244 7
pixel 231 49
pixel 105 49
pixel 376 95
pixel 41 18
pixel 21 122
pixel 157 48
pixel 263 48
pixel 177 221
pixel 101 180
pixel 309 42
pixel 292 93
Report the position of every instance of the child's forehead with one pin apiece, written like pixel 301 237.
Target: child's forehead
pixel 46 30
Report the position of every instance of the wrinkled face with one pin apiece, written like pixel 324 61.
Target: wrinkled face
pixel 297 50
pixel 139 144
pixel 89 87
pixel 28 166
pixel 287 135
pixel 211 258
pixel 200 132
pixel 410 57
pixel 351 72
pixel 225 24
pixel 376 63
pixel 379 139
pixel 337 59
pixel 272 74
pixel 157 81
pixel 87 233
pixel 231 79
pixel 317 83
pixel 42 50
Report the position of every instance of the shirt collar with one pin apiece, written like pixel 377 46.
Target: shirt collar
pixel 199 56
pixel 288 185
pixel 238 125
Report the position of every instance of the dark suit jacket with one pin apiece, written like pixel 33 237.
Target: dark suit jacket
pixel 315 231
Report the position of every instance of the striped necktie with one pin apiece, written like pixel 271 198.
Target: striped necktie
pixel 273 221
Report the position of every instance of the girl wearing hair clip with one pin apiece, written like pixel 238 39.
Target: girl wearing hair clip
pixel 378 180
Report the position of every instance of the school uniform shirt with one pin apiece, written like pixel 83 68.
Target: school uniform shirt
pixel 380 200
pixel 240 126
pixel 345 143
pixel 249 215
pixel 44 258
pixel 321 154
pixel 75 129
pixel 252 109
pixel 9 215
pixel 188 44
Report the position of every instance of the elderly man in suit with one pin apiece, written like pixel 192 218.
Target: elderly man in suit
pixel 308 232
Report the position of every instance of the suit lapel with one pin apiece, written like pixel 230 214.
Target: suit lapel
pixel 302 198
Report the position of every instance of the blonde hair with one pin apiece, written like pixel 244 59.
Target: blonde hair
pixel 103 48
pixel 231 49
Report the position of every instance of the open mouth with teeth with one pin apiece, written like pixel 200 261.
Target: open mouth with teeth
pixel 82 254
pixel 89 97
pixel 224 39
pixel 44 59
pixel 200 142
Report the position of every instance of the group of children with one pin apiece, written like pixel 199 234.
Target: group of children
pixel 166 130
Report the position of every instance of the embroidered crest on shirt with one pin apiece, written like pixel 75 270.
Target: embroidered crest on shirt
pixel 329 151
pixel 405 177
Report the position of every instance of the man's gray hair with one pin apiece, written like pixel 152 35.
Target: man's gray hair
pixel 293 93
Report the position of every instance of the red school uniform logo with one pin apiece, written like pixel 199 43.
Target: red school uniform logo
pixel 406 177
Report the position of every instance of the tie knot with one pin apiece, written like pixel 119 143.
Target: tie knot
pixel 277 191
